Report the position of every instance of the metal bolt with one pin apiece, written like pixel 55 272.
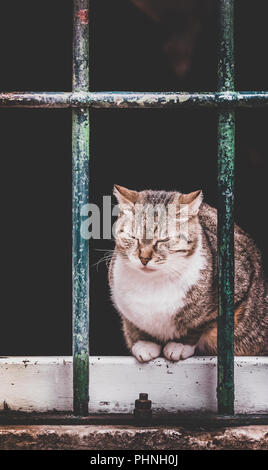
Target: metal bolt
pixel 143 407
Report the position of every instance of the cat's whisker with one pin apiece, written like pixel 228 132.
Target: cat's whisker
pixel 106 258
pixel 102 249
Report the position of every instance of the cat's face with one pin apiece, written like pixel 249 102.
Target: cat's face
pixel 157 230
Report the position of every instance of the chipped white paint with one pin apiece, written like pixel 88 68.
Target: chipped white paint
pixel 184 97
pixel 45 384
pixel 227 95
pixel 148 98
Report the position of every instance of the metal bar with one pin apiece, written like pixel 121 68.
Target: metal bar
pixel 83 99
pixel 226 151
pixel 80 182
pixel 191 420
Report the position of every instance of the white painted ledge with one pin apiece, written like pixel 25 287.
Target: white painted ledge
pixel 45 384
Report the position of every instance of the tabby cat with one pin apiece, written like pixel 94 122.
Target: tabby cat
pixel 166 293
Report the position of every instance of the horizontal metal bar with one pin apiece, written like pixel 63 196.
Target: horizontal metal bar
pixel 114 99
pixel 190 420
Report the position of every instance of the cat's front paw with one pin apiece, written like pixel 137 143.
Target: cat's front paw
pixel 176 351
pixel 146 351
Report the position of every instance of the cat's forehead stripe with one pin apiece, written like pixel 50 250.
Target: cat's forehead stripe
pixel 156 197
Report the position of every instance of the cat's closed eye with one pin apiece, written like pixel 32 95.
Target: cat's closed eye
pixel 127 236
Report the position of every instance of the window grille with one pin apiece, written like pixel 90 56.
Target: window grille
pixel 225 100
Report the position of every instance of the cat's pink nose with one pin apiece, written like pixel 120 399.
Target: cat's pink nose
pixel 144 260
pixel 145 255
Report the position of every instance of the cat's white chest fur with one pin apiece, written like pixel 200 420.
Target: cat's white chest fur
pixel 151 301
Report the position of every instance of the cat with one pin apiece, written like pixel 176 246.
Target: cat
pixel 166 293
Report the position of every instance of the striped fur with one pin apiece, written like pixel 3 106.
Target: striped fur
pixel 172 301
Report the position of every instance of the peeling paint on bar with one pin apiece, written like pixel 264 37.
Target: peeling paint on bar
pixel 80 183
pixel 226 150
pixel 83 16
pixel 82 99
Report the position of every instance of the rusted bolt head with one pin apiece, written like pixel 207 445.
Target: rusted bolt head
pixel 143 410
pixel 143 396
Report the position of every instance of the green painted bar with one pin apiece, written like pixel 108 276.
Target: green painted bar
pixel 80 182
pixel 128 99
pixel 226 151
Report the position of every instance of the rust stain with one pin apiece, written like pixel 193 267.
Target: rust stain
pixel 83 16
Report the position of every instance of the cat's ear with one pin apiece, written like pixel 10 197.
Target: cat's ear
pixel 193 200
pixel 125 196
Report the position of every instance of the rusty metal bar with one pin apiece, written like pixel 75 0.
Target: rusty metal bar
pixel 86 99
pixel 226 154
pixel 80 183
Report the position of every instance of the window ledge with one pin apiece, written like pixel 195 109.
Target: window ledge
pixel 44 384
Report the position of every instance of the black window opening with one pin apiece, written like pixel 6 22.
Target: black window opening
pixel 193 118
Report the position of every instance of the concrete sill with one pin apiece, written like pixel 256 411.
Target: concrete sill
pixel 130 437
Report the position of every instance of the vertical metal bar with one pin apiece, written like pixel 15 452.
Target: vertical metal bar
pixel 80 182
pixel 226 152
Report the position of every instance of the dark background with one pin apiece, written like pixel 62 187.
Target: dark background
pixel 136 148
